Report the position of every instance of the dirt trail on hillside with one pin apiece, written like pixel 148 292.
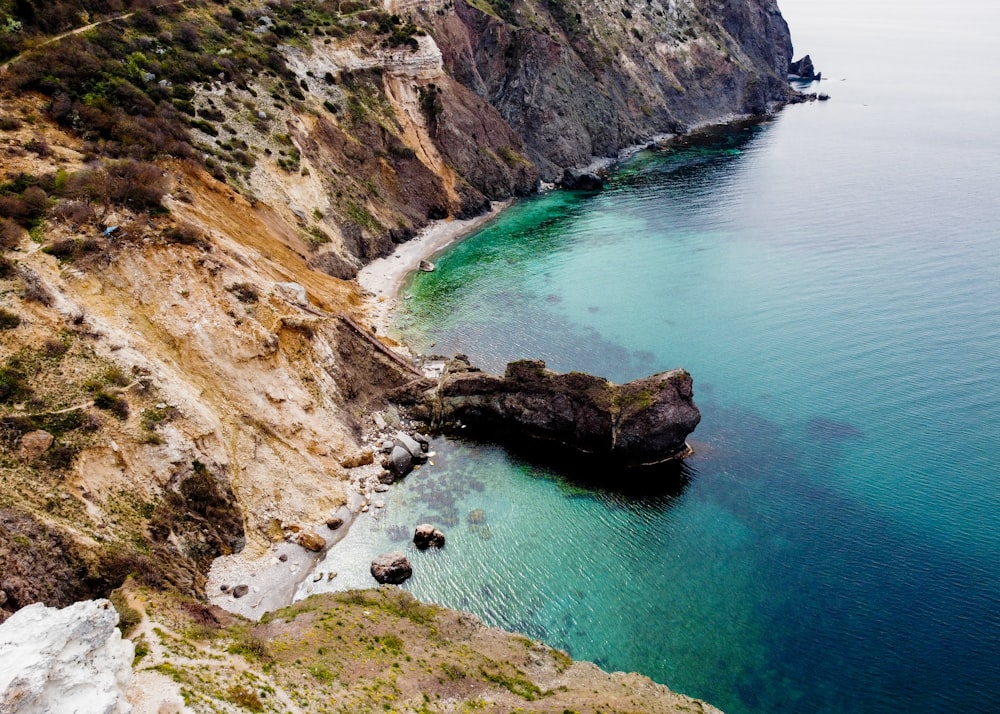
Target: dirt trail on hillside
pixel 77 31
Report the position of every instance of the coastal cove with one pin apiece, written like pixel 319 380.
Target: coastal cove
pixel 830 278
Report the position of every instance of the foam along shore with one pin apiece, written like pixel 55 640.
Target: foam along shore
pixel 383 278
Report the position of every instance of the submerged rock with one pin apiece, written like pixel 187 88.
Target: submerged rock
pixel 391 569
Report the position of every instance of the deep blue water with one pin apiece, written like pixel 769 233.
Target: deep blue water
pixel 831 278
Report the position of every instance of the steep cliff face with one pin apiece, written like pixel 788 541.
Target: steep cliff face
pixel 580 79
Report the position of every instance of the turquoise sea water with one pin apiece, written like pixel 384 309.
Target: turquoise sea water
pixel 832 280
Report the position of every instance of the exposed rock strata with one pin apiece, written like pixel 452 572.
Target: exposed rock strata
pixel 579 79
pixel 641 423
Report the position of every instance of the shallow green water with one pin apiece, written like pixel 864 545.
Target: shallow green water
pixel 832 280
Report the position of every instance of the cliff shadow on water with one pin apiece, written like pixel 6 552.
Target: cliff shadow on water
pixel 574 473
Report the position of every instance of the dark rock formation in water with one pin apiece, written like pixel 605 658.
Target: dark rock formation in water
pixel 578 180
pixel 641 423
pixel 427 536
pixel 803 69
pixel 391 569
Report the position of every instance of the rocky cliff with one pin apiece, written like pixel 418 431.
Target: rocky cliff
pixel 582 79
pixel 187 191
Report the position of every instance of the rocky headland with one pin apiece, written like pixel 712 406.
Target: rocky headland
pixel 642 423
pixel 188 367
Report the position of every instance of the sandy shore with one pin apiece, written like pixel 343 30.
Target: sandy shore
pixel 384 277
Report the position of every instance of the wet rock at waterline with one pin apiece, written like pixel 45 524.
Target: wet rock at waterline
pixel 391 569
pixel 577 180
pixel 406 452
pixel 803 69
pixel 427 536
pixel 400 462
pixel 641 423
pixel 410 444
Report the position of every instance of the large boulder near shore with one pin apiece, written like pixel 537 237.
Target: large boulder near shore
pixel 579 180
pixel 427 536
pixel 641 423
pixel 400 461
pixel 407 442
pixel 311 541
pixel 391 569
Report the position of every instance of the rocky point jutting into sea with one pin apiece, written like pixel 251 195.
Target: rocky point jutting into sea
pixel 190 191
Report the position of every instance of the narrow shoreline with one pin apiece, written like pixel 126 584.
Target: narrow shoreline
pixel 383 278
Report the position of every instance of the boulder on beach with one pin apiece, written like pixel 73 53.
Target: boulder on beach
pixel 334 522
pixel 391 569
pixel 400 461
pixel 311 541
pixel 427 536
pixel 364 457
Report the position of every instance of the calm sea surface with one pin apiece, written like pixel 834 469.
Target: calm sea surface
pixel 832 280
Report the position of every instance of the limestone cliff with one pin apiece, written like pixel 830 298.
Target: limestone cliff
pixel 69 660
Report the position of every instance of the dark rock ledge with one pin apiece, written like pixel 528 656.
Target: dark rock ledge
pixel 642 423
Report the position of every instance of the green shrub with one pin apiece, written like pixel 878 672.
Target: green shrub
pixel 113 403
pixel 8 320
pixel 13 385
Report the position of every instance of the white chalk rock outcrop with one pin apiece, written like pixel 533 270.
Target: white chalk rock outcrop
pixel 72 660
